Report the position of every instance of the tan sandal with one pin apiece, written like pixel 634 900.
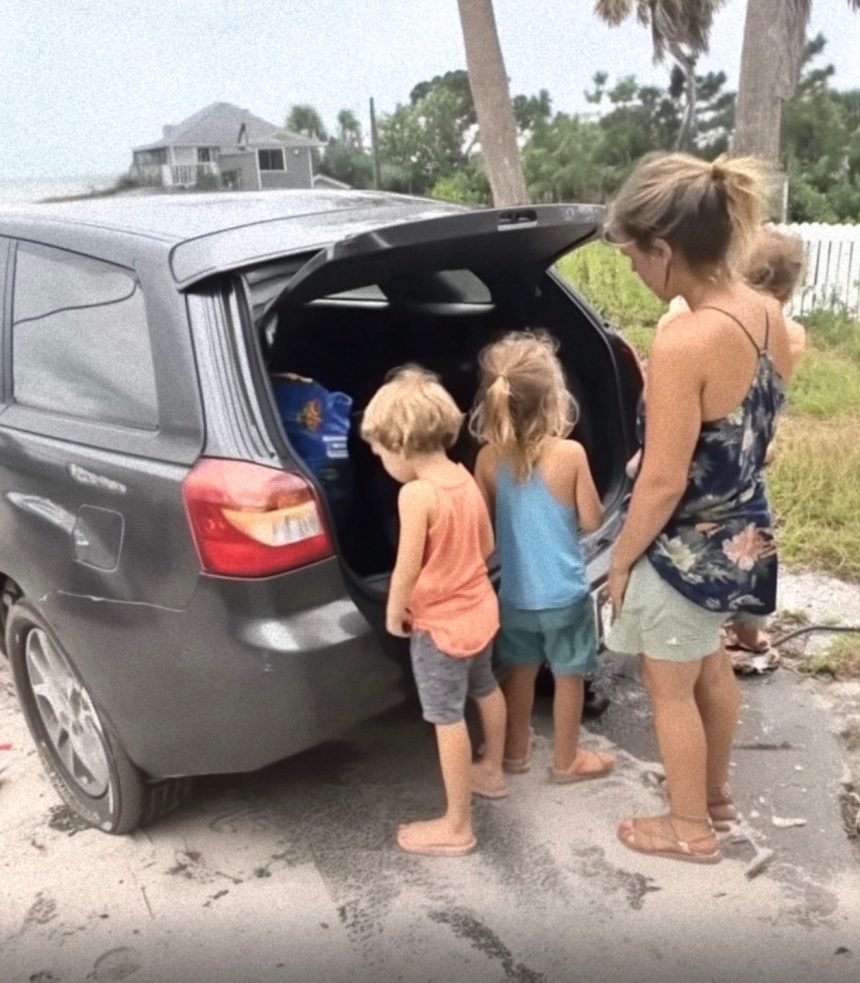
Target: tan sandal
pixel 587 765
pixel 698 850
pixel 519 766
pixel 722 810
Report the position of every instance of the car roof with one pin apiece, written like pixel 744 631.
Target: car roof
pixel 206 233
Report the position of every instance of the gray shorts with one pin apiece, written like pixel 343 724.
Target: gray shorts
pixel 445 681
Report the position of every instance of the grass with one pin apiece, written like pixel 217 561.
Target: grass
pixel 815 493
pixel 814 483
pixel 841 659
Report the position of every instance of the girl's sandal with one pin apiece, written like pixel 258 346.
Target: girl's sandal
pixel 517 766
pixel 665 842
pixel 722 810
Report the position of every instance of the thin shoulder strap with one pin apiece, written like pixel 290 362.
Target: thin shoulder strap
pixel 766 328
pixel 708 307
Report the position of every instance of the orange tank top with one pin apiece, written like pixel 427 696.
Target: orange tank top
pixel 453 598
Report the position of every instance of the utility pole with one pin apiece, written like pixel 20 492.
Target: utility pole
pixel 374 144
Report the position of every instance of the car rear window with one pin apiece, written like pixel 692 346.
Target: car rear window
pixel 80 338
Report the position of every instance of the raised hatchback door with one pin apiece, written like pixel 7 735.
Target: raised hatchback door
pixel 524 239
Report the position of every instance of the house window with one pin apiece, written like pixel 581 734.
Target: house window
pixel 271 160
pixel 80 339
pixel 203 155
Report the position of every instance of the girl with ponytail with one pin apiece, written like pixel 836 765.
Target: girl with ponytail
pixel 539 488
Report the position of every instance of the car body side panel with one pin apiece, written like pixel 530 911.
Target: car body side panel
pixel 248 673
pixel 57 507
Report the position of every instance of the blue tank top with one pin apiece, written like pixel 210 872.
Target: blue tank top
pixel 538 545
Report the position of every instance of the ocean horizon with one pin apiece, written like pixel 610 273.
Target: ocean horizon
pixel 25 191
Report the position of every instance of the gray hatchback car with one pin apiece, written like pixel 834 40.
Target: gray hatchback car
pixel 182 594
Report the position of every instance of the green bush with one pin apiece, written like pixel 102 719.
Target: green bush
pixel 207 182
pixel 834 329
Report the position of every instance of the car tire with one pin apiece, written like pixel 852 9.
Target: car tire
pixel 79 748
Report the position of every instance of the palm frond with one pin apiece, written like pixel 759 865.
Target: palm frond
pixel 615 11
pixel 672 23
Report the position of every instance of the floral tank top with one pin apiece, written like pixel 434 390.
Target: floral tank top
pixel 718 548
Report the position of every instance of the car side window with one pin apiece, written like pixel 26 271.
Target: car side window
pixel 80 339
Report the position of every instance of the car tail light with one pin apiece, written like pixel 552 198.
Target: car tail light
pixel 252 521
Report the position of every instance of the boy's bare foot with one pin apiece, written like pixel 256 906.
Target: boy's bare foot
pixel 436 838
pixel 488 782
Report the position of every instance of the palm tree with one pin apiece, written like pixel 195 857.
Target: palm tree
pixel 349 129
pixel 491 94
pixel 306 120
pixel 679 27
pixel 774 37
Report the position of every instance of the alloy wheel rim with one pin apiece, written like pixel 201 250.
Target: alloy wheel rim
pixel 68 715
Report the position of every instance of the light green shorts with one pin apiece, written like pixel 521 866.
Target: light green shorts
pixel 658 621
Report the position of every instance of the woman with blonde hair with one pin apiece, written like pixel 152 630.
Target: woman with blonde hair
pixel 697 544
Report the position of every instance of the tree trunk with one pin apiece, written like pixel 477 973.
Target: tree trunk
pixel 774 34
pixel 490 91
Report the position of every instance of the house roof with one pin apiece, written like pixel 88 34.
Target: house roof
pixel 219 125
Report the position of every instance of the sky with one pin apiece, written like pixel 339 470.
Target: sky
pixel 83 81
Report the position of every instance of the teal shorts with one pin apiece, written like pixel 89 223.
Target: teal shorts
pixel 658 621
pixel 566 638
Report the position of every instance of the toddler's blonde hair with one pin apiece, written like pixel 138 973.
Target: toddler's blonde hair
pixel 774 263
pixel 412 413
pixel 523 398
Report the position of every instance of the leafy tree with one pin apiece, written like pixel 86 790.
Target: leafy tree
pixel 423 141
pixel 346 158
pixel 348 129
pixel 646 118
pixel 562 160
pixel 679 28
pixel 821 145
pixel 529 111
pixel 468 185
pixel 306 120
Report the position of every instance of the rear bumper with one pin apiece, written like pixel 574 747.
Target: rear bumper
pixel 212 688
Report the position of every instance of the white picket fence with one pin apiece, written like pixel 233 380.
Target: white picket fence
pixel 832 277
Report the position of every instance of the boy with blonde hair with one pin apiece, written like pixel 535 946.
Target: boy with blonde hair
pixel 440 596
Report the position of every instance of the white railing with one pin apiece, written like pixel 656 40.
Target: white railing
pixel 188 174
pixel 832 277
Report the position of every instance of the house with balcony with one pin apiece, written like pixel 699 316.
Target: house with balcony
pixel 225 146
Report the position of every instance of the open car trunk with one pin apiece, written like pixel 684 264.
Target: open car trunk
pixel 434 293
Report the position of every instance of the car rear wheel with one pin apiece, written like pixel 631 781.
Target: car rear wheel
pixel 79 749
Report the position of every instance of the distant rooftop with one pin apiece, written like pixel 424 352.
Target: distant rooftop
pixel 221 124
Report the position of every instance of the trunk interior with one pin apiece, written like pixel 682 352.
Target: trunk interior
pixel 349 341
